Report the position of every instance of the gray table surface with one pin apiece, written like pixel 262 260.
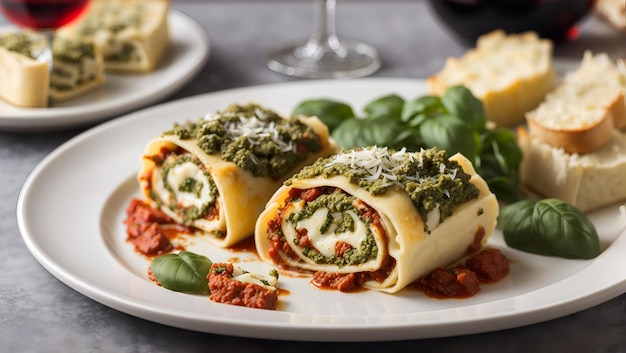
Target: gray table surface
pixel 40 313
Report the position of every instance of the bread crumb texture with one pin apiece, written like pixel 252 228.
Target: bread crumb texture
pixel 509 73
pixel 580 114
pixel 588 181
pixel 613 12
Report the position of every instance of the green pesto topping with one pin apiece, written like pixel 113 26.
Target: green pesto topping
pixel 73 51
pixel 338 221
pixel 429 178
pixel 113 19
pixel 189 185
pixel 65 50
pixel 219 269
pixel 21 43
pixel 274 273
pixel 254 138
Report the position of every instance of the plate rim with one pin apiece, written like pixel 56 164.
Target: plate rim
pixel 287 331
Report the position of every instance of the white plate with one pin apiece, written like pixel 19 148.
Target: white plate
pixel 71 208
pixel 121 93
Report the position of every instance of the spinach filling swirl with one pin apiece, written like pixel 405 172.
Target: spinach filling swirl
pixel 185 187
pixel 326 226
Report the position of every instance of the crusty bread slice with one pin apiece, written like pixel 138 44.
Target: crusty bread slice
pixel 613 12
pixel 581 113
pixel 589 181
pixel 509 73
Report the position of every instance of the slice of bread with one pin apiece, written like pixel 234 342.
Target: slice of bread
pixel 509 73
pixel 579 115
pixel 613 12
pixel 589 181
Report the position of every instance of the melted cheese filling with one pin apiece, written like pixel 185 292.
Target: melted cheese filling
pixel 175 197
pixel 265 281
pixel 325 242
pixel 68 75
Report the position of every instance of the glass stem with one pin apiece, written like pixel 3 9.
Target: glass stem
pixel 46 55
pixel 324 41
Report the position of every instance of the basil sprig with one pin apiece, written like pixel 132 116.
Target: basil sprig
pixel 182 272
pixel 455 122
pixel 549 227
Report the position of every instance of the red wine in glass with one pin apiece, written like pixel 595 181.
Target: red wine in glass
pixel 42 14
pixel 553 19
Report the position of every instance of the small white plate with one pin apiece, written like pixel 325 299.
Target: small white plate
pixel 71 208
pixel 122 92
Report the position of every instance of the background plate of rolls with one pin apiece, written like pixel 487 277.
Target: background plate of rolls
pixel 122 92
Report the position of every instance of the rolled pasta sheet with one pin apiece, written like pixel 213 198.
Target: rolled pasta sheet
pixel 216 174
pixel 389 217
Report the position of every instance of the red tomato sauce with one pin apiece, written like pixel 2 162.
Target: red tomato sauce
pixel 464 280
pixel 150 230
pixel 344 282
pixel 225 289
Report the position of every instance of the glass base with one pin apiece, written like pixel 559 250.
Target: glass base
pixel 346 60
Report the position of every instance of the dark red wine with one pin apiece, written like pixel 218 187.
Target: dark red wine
pixel 42 14
pixel 552 19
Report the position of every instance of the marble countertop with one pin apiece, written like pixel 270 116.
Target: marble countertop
pixel 39 313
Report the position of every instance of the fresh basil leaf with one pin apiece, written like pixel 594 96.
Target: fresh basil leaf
pixel 419 108
pixel 502 145
pixel 182 272
pixel 549 227
pixel 365 132
pixel 460 101
pixel 386 107
pixel 409 139
pixel 447 132
pixel 330 112
pixel 505 189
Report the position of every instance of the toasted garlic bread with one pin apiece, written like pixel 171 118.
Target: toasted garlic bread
pixel 580 114
pixel 588 181
pixel 509 73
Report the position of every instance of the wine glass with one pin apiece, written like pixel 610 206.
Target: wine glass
pixel 323 54
pixel 557 20
pixel 43 16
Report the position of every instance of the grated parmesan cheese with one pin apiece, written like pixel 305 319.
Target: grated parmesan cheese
pixel 379 163
pixel 254 128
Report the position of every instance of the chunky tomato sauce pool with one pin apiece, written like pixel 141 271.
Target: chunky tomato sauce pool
pixel 464 280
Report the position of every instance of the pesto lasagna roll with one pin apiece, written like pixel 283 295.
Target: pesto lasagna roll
pixel 216 174
pixel 134 34
pixel 28 82
pixel 377 218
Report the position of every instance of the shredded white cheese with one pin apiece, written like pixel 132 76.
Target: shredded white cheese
pixel 254 128
pixel 379 163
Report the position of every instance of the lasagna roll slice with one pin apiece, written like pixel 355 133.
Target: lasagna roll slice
pixel 133 34
pixel 216 174
pixel 28 82
pixel 379 217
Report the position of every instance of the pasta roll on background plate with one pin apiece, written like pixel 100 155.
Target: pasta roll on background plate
pixel 384 217
pixel 217 173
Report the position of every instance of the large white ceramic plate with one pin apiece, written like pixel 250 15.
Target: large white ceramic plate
pixel 71 208
pixel 122 92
